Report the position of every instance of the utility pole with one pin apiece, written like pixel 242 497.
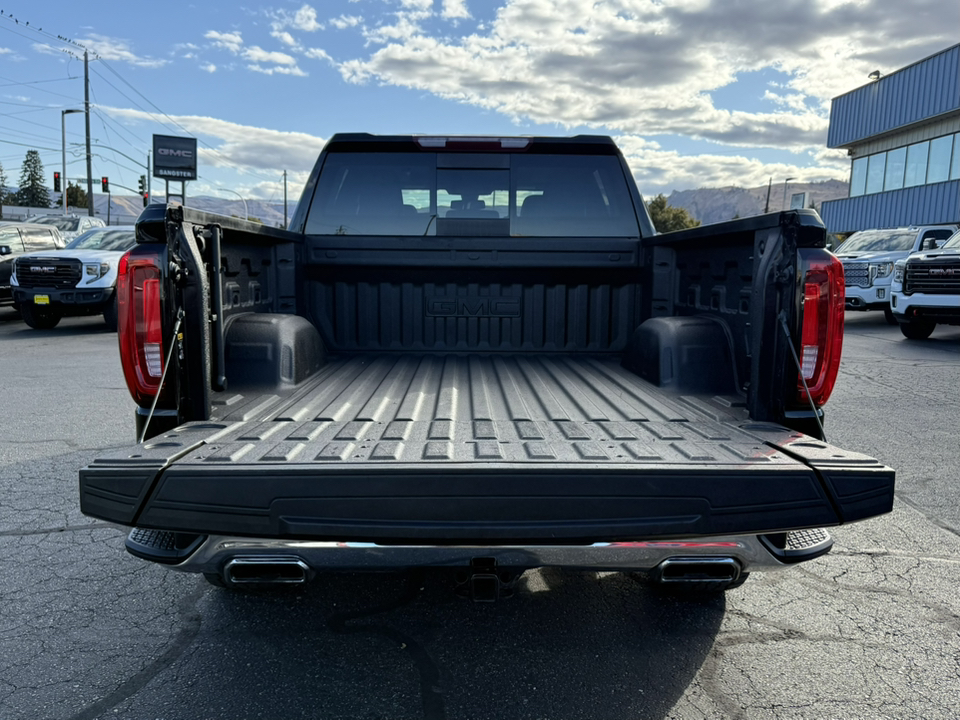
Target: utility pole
pixel 784 203
pixel 86 109
pixel 284 199
pixel 766 208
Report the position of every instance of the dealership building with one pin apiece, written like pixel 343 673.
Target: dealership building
pixel 902 134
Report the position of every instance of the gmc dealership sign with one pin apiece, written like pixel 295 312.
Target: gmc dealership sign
pixel 174 158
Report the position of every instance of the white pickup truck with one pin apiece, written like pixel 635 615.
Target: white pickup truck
pixel 868 258
pixel 926 290
pixel 80 279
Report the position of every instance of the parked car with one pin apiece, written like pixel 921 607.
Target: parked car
pixel 70 226
pixel 81 279
pixel 17 238
pixel 926 290
pixel 868 257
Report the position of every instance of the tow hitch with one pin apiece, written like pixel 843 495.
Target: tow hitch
pixel 482 582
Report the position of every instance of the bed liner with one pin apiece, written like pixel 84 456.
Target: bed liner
pixel 487 447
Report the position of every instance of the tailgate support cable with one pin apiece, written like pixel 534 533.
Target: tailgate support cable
pixel 163 376
pixel 796 360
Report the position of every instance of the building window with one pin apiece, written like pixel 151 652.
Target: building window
pixel 896 163
pixel 955 165
pixel 923 163
pixel 938 167
pixel 875 172
pixel 858 177
pixel 916 164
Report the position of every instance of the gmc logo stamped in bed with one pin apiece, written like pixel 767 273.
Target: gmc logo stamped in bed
pixel 472 306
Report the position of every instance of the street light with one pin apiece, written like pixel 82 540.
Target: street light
pixel 783 205
pixel 63 174
pixel 246 215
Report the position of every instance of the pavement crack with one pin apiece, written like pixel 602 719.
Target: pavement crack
pixel 430 692
pixel 51 531
pixel 190 619
pixel 894 554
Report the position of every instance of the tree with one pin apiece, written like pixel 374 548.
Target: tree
pixel 666 218
pixel 33 192
pixel 76 196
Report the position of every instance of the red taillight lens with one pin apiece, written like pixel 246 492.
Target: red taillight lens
pixel 139 323
pixel 821 337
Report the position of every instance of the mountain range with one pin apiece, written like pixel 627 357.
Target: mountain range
pixel 711 205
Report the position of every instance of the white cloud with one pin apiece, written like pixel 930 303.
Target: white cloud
pixel 345 21
pixel 663 171
pixel 228 41
pixel 243 147
pixel 282 63
pixel 285 37
pixel 257 54
pixel 5 51
pixel 277 70
pixel 116 49
pixel 209 67
pixel 640 67
pixel 455 9
pixel 304 19
pixel 318 54
pixel 45 49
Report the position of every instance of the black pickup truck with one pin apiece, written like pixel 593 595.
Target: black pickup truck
pixel 477 353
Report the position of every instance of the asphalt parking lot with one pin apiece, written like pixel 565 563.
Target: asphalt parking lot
pixel 871 630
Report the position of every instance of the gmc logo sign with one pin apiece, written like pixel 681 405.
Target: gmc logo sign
pixel 169 152
pixel 943 271
pixel 42 269
pixel 473 307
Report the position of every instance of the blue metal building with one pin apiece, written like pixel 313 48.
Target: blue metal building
pixel 902 133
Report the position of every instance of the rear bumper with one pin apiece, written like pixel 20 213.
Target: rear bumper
pixel 752 553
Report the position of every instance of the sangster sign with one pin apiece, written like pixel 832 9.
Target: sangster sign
pixel 174 158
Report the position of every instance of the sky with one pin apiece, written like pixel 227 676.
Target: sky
pixel 697 93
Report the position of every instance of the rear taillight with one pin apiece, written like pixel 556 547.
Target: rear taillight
pixel 139 323
pixel 821 336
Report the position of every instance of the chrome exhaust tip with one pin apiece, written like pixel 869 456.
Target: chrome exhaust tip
pixel 266 570
pixel 719 570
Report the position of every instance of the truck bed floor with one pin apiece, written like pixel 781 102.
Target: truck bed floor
pixel 423 408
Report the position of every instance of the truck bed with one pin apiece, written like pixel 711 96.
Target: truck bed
pixel 482 447
pixel 416 409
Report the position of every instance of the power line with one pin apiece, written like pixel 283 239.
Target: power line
pixel 199 140
pixel 31 146
pixel 117 126
pixel 109 139
pixel 69 51
pixel 38 30
pixel 49 92
pixel 37 82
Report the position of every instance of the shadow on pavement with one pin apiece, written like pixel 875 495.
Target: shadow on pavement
pixel 570 645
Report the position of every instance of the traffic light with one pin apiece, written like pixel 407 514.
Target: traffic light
pixel 105 183
pixel 56 182
pixel 142 184
pixel 146 199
